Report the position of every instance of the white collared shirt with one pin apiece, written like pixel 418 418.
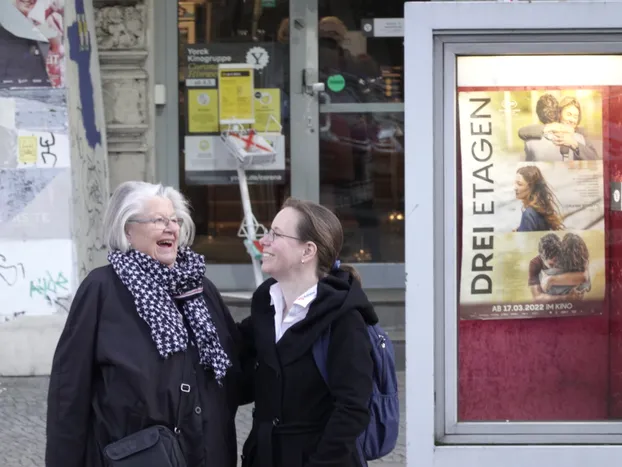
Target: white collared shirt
pixel 296 313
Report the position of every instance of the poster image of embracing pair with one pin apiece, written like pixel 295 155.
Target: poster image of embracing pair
pixel 539 275
pixel 558 134
pixel 538 125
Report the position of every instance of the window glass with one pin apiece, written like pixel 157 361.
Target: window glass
pixel 231 32
pixel 537 151
pixel 361 62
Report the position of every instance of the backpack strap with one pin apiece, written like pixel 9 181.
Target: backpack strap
pixel 320 354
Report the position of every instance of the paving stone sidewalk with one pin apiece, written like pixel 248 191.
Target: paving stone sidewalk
pixel 22 424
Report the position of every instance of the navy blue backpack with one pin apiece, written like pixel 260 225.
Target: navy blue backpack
pixel 380 436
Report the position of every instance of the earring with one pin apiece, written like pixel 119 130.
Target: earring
pixel 302 261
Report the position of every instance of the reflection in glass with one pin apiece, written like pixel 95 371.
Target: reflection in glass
pixel 362 180
pixel 243 31
pixel 538 334
pixel 362 152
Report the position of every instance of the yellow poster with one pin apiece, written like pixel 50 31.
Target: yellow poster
pixel 27 150
pixel 203 111
pixel 268 110
pixel 236 93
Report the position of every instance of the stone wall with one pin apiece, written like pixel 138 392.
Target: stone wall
pixel 124 36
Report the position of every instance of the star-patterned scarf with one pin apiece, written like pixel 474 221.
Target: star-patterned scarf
pixel 155 286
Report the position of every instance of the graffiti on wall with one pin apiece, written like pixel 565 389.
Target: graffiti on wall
pixel 36 248
pixel 35 277
pixel 10 273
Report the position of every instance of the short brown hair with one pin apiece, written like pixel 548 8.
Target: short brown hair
pixel 547 109
pixel 570 101
pixel 550 246
pixel 320 225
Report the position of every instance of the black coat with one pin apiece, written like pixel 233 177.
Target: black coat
pixel 297 420
pixel 108 381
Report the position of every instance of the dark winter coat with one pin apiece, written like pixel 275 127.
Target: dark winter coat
pixel 298 421
pixel 108 381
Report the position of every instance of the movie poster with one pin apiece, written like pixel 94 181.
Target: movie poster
pixel 31 44
pixel 533 231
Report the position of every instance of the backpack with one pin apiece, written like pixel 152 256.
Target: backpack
pixel 380 436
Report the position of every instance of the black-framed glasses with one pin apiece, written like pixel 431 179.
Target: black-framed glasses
pixel 272 235
pixel 159 222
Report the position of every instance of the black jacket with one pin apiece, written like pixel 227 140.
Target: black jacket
pixel 297 420
pixel 108 381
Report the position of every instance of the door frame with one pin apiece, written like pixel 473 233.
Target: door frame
pixel 431 343
pixel 304 131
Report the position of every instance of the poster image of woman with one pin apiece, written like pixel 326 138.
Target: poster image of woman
pixel 540 210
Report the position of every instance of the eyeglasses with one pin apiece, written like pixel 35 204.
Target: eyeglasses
pixel 272 235
pixel 159 222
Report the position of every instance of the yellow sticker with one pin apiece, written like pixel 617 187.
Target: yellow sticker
pixel 236 89
pixel 203 111
pixel 27 150
pixel 268 110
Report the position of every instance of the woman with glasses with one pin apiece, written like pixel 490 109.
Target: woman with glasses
pixel 299 420
pixel 145 372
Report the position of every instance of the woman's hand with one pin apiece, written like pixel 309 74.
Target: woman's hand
pixel 565 139
pixel 575 295
pixel 554 127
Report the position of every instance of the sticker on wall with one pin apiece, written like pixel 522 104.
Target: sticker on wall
pixel 27 150
pixel 268 110
pixel 203 111
pixel 236 93
pixel 44 149
pixel 336 83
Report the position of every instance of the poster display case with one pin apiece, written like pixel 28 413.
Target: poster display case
pixel 514 287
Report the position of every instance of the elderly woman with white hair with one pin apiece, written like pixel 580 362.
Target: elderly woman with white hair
pixel 146 371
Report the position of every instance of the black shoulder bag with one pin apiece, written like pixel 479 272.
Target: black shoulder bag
pixel 156 446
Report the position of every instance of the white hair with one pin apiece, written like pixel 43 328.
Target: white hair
pixel 128 201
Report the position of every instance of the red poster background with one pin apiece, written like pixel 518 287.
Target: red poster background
pixel 552 368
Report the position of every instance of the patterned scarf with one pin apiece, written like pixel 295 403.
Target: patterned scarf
pixel 155 285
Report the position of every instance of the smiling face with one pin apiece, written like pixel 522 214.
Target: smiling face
pixel 152 238
pixel 570 116
pixel 521 188
pixel 283 255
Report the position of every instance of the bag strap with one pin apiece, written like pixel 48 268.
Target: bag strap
pixel 320 353
pixel 184 388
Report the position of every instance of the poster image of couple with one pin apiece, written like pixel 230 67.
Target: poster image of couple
pixel 539 275
pixel 560 271
pixel 558 135
pixel 531 165
pixel 552 125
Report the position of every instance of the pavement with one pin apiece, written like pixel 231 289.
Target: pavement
pixel 22 424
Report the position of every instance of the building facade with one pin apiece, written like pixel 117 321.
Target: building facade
pixel 327 93
pixel 342 146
